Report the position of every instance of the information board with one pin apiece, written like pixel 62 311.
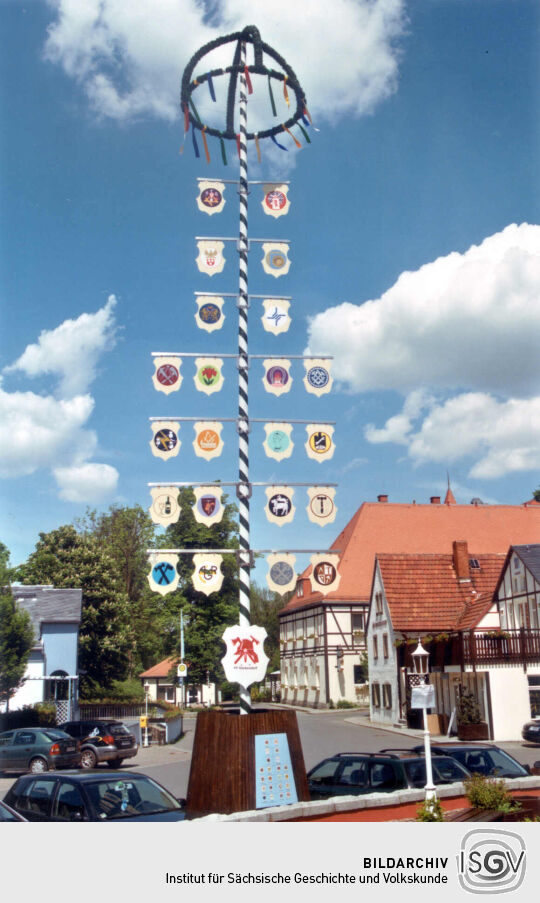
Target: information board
pixel 274 778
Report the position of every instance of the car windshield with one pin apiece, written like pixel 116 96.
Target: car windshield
pixel 325 772
pixel 504 765
pixel 53 734
pixel 114 798
pixel 117 729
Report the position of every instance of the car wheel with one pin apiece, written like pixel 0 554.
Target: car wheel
pixel 88 759
pixel 38 765
pixel 114 763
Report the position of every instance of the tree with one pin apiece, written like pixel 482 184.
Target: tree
pixel 66 559
pixel 16 635
pixel 265 608
pixel 126 533
pixel 205 617
pixel 536 494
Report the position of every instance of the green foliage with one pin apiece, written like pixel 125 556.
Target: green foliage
pixel 468 710
pixel 205 618
pixel 489 793
pixel 67 559
pixel 265 608
pixel 536 494
pixel 345 704
pixel 430 810
pixel 131 688
pixel 261 694
pixel 16 641
pixel 41 714
pixel 331 704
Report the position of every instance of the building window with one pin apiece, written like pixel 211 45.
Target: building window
pixel 357 620
pixel 534 694
pixel 387 696
pixel 360 674
pixel 300 588
pixel 385 645
pixel 375 648
pixel 510 615
pixel 376 696
pixel 378 603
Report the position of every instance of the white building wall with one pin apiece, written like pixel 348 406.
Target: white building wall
pixel 32 690
pixel 510 703
pixel 382 668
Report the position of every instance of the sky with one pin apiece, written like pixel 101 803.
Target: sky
pixel 414 235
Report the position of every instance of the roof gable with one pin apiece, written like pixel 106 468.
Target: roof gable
pixel 385 527
pixel 47 605
pixel 423 592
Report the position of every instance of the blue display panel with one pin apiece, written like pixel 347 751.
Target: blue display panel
pixel 274 778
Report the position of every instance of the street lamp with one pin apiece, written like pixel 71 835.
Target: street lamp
pixel 146 692
pixel 425 699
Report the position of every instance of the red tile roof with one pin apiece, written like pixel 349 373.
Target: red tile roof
pixel 387 527
pixel 162 669
pixel 423 592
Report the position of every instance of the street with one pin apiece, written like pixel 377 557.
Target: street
pixel 322 734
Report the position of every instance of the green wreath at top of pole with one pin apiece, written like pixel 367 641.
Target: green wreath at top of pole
pixel 251 35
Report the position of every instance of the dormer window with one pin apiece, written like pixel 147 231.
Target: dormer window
pixel 300 588
pixel 474 563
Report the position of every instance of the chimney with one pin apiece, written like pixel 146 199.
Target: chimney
pixel 435 500
pixel 382 498
pixel 460 555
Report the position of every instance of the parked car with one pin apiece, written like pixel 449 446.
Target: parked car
pixel 93 796
pixel 102 740
pixel 9 814
pixel 482 758
pixel 383 772
pixel 531 731
pixel 38 749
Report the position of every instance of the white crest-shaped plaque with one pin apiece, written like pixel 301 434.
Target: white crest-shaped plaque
pixel 165 443
pixel 281 576
pixel 211 196
pixel 208 507
pixel 209 314
pixel 318 379
pixel 207 576
pixel 276 317
pixel 279 504
pixel 275 259
pixel 278 443
pixel 275 201
pixel 321 508
pixel 164 509
pixel 277 378
pixel 245 661
pixel 208 374
pixel 423 697
pixel 320 444
pixel 210 259
pixel 163 577
pixel 167 377
pixel 208 442
pixel 324 576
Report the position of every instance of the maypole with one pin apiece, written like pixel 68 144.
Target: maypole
pixel 243 372
pixel 262 737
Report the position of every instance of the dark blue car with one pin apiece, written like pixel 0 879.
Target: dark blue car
pixel 91 796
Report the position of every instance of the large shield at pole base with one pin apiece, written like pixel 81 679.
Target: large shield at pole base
pixel 245 661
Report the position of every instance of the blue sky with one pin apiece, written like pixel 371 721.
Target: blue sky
pixel 415 250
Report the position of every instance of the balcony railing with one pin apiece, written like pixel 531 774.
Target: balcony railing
pixel 517 647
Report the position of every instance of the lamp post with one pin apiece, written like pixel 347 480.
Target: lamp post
pixel 420 668
pixel 146 692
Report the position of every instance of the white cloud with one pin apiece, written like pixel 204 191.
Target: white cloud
pixel 50 431
pixel 502 436
pixel 129 57
pixel 71 351
pixel 86 482
pixel 36 431
pixel 398 427
pixel 465 321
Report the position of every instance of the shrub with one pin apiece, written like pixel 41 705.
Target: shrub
pixel 41 714
pixel 345 704
pixel 430 810
pixel 468 710
pixel 489 793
